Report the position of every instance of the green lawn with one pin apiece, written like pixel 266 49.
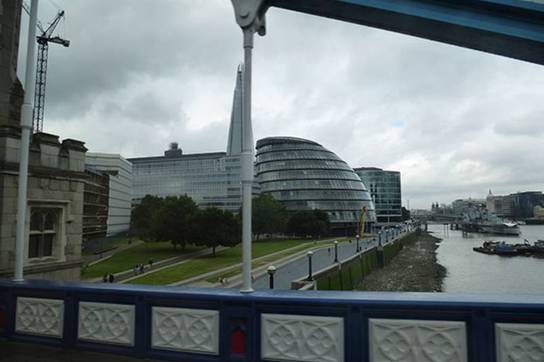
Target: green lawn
pixel 223 259
pixel 126 259
pixel 108 244
pixel 264 261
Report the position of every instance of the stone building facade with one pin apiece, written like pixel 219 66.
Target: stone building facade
pixel 55 183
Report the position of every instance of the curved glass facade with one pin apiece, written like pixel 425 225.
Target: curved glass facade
pixel 304 175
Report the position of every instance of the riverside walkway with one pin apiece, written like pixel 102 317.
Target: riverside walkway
pixel 297 267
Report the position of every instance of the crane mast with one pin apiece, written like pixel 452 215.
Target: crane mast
pixel 41 66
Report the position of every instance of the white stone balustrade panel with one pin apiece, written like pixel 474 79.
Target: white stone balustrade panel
pixel 185 330
pixel 106 323
pixel 39 316
pixel 519 342
pixel 417 341
pixel 302 338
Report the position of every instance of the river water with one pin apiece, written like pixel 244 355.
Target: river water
pixel 472 272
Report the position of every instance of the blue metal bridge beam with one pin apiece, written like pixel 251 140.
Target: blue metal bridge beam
pixel 512 28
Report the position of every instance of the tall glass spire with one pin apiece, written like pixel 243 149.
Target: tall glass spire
pixel 234 145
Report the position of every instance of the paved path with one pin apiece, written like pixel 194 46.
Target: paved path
pixel 200 280
pixel 297 267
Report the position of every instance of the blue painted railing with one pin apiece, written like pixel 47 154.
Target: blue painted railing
pixel 223 325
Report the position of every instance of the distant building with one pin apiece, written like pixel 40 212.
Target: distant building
pixel 56 177
pixel 471 207
pixel 210 179
pixel 499 205
pixel 538 212
pixel 303 175
pixel 523 203
pixel 385 190
pixel 119 172
pixel 95 205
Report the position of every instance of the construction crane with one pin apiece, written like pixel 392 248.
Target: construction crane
pixel 41 65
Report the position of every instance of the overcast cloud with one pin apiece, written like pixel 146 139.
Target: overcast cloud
pixel 140 74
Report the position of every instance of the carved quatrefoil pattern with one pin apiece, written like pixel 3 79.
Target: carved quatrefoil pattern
pixel 519 342
pixel 302 338
pixel 106 323
pixel 40 316
pixel 417 341
pixel 187 330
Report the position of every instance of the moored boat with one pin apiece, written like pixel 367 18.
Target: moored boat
pixel 503 228
pixel 499 248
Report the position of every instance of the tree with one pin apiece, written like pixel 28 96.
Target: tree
pixel 173 220
pixel 142 215
pixel 321 223
pixel 405 214
pixel 268 215
pixel 213 227
pixel 303 223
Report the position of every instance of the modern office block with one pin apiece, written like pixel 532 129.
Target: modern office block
pixel 385 189
pixel 120 188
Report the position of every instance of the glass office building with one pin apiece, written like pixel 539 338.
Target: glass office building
pixel 304 175
pixel 210 179
pixel 385 190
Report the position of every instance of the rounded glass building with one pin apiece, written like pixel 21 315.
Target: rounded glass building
pixel 304 175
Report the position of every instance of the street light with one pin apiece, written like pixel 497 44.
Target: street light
pixel 357 239
pixel 271 270
pixel 310 253
pixel 336 251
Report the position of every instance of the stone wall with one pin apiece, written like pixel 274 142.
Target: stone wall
pixel 56 182
pixel 348 274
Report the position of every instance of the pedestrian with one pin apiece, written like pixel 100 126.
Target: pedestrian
pixel 135 269
pixel 111 278
pixel 105 278
pixel 141 268
pixel 329 250
pixel 150 263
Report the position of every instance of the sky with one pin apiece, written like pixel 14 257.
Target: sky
pixel 141 74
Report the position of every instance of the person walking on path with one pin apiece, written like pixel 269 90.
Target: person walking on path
pixel 105 278
pixel 150 263
pixel 111 278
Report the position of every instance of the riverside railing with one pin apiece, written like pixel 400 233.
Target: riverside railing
pixel 187 324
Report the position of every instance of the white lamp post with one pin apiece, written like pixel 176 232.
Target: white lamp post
pixel 250 17
pixel 26 128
